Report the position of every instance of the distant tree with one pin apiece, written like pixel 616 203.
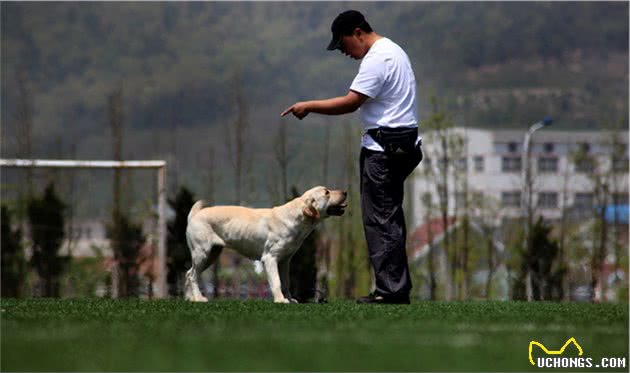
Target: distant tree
pixel 178 255
pixel 323 258
pixel 352 267
pixel 23 115
pixel 602 226
pixel 236 139
pixel 587 162
pixel 323 255
pixel 427 204
pixel 24 118
pixel 46 220
pixel 70 193
pixel 439 130
pixel 116 116
pixel 547 272
pixel 542 260
pixel 513 233
pixel 618 170
pixel 485 211
pixel 13 261
pixel 462 211
pixel 283 156
pixel 126 239
pixel 564 232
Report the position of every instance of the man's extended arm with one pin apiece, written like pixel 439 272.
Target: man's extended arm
pixel 332 106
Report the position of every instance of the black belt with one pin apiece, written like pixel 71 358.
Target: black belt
pixel 392 140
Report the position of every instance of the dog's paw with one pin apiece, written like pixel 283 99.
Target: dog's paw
pixel 283 300
pixel 197 299
pixel 293 300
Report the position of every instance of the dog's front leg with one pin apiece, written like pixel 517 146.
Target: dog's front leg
pixel 285 279
pixel 271 267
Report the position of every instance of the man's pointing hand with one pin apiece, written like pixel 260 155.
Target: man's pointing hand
pixel 299 109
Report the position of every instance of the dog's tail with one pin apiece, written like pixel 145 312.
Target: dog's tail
pixel 195 209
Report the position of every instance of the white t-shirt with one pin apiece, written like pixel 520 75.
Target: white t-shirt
pixel 386 77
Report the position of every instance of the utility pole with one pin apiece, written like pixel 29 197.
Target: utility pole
pixel 526 197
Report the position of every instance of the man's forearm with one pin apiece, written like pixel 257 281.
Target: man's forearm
pixel 332 106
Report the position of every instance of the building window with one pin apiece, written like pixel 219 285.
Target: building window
pixel 511 164
pixel 511 199
pixel 427 200
pixel 512 147
pixel 620 165
pixel 585 165
pixel 442 192
pixel 548 200
pixel 548 164
pixel 548 147
pixel 620 198
pixel 462 164
pixel 442 164
pixel 460 199
pixel 583 201
pixel 478 163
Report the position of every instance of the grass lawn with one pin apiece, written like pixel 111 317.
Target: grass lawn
pixel 256 335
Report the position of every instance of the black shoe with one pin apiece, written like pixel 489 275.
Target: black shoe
pixel 374 298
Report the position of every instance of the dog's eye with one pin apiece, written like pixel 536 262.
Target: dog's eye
pixel 327 192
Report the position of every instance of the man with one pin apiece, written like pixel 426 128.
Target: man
pixel 385 90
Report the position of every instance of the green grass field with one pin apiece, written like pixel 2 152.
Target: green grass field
pixel 256 335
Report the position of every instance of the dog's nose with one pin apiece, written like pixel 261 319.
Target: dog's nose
pixel 345 194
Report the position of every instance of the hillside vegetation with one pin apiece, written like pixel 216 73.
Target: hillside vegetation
pixel 499 64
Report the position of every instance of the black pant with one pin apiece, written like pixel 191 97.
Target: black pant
pixel 382 189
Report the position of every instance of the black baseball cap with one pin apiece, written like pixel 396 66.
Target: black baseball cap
pixel 344 24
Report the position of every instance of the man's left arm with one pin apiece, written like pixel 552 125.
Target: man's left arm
pixel 332 106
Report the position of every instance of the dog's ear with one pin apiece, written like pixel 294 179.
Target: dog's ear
pixel 310 210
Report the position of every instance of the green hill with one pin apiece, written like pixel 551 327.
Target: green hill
pixel 497 64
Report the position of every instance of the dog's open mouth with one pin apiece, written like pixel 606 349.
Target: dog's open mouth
pixel 337 210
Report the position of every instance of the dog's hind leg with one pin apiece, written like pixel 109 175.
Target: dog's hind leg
pixel 205 247
pixel 193 293
pixel 191 287
pixel 215 251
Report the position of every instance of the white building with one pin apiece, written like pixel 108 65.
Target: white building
pixel 492 161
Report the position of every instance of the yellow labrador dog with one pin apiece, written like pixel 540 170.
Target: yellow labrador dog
pixel 269 235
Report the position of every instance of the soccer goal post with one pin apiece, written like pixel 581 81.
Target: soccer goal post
pixel 159 165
